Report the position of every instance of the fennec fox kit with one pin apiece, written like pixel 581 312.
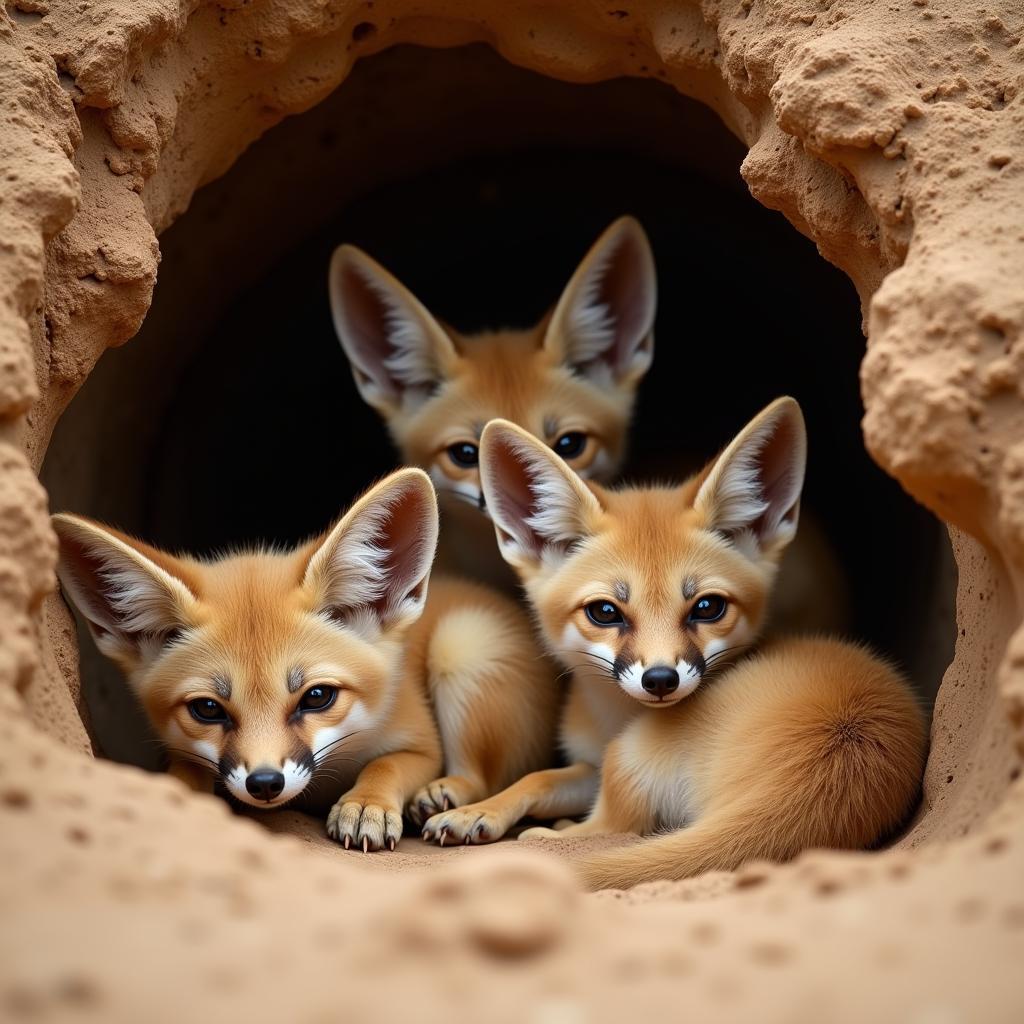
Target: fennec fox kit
pixel 571 382
pixel 654 597
pixel 323 673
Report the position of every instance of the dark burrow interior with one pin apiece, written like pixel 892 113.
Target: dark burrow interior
pixel 232 417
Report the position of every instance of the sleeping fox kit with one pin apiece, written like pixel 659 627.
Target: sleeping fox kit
pixel 654 598
pixel 571 381
pixel 324 673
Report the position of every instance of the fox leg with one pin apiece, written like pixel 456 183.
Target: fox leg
pixel 370 813
pixel 552 793
pixel 494 700
pixel 621 805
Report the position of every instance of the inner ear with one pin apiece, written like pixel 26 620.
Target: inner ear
pixel 603 323
pixel 537 502
pixel 781 480
pixel 512 501
pixel 395 346
pixel 127 590
pixel 408 553
pixel 754 485
pixel 376 561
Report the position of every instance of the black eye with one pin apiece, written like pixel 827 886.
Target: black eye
pixel 464 454
pixel 604 613
pixel 570 445
pixel 709 609
pixel 208 711
pixel 318 698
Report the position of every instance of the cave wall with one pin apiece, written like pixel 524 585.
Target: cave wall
pixel 891 137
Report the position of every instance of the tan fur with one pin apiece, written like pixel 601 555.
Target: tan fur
pixel 808 743
pixel 264 623
pixel 531 377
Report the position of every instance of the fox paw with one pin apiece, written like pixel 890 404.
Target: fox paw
pixel 468 825
pixel 441 795
pixel 364 825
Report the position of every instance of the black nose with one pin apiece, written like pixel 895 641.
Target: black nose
pixel 265 784
pixel 660 680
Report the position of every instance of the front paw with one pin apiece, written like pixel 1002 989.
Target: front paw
pixel 364 823
pixel 440 795
pixel 471 826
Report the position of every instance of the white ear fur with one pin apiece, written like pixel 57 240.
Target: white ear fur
pixel 752 490
pixel 397 350
pixel 538 504
pixel 124 596
pixel 372 569
pixel 604 322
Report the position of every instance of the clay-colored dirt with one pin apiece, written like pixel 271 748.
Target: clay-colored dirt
pixel 891 134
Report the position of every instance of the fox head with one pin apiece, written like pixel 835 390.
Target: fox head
pixel 650 586
pixel 258 666
pixel 570 381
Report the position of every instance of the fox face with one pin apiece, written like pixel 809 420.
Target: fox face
pixel 570 382
pixel 262 667
pixel 651 587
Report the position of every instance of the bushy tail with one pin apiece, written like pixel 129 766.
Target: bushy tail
pixel 843 778
pixel 718 842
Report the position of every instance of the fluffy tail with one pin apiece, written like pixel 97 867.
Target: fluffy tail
pixel 721 841
pixel 841 773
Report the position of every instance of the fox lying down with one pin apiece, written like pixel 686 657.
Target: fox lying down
pixel 325 674
pixel 676 723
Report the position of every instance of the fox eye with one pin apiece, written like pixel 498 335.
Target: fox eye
pixel 464 454
pixel 208 711
pixel 570 445
pixel 709 609
pixel 604 613
pixel 318 698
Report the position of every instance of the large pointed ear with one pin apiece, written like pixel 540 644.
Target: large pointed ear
pixel 397 350
pixel 603 325
pixel 538 504
pixel 128 592
pixel 752 490
pixel 371 570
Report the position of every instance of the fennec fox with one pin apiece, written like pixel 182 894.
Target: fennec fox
pixel 323 673
pixel 571 382
pixel 654 598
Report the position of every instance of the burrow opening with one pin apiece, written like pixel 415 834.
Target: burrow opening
pixel 232 416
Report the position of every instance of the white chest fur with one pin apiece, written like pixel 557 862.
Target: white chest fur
pixel 664 777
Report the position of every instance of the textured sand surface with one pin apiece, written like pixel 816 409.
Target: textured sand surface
pixel 893 136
